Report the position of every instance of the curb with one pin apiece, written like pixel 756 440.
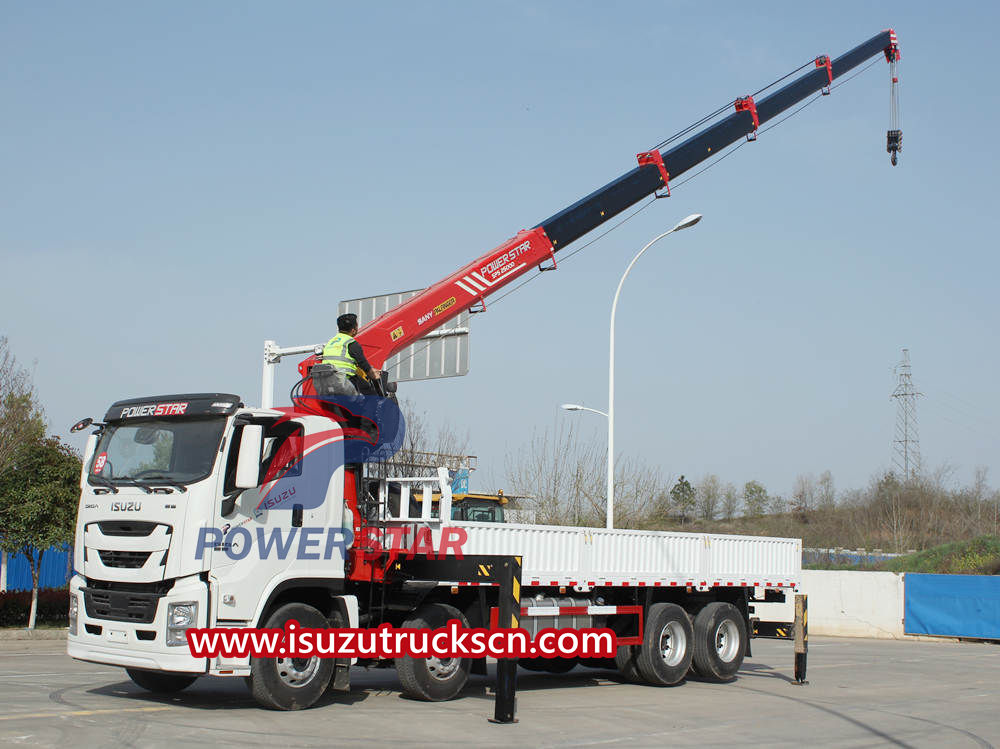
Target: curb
pixel 33 634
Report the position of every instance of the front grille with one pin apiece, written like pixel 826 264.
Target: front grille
pixel 126 527
pixel 124 602
pixel 124 559
pixel 158 587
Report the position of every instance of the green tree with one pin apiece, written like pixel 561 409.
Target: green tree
pixel 38 499
pixel 20 415
pixel 683 497
pixel 755 499
pixel 709 493
pixel 730 501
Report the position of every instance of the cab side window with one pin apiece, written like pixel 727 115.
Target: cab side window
pixel 281 457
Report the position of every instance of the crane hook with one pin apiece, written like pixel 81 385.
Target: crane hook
pixel 893 136
pixel 893 144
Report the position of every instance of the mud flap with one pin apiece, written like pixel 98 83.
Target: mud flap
pixel 341 681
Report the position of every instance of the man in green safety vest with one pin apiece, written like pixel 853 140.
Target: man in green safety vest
pixel 347 359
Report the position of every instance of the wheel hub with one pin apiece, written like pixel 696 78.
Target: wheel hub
pixel 727 640
pixel 296 672
pixel 442 668
pixel 673 643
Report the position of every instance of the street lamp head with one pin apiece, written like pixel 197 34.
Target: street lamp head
pixel 684 223
pixel 571 407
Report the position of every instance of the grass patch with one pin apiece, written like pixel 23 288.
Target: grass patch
pixel 980 556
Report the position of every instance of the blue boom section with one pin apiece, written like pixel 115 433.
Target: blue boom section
pixel 601 205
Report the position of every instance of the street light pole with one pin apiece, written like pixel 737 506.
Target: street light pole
pixel 683 224
pixel 575 407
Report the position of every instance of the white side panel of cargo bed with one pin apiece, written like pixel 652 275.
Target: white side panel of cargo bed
pixel 558 555
pixel 755 557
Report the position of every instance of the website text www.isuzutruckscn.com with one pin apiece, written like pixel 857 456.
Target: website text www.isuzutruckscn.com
pixel 451 641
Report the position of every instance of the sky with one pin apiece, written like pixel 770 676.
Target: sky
pixel 182 181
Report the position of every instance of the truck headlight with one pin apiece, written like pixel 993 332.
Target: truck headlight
pixel 74 612
pixel 180 616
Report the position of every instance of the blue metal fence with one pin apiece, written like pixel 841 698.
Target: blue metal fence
pixel 55 573
pixel 845 556
pixel 952 605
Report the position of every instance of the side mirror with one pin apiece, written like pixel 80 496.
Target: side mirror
pixel 81 425
pixel 248 460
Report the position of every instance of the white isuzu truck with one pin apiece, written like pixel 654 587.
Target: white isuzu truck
pixel 197 511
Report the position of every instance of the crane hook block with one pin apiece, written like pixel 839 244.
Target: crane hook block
pixel 746 104
pixel 893 144
pixel 655 158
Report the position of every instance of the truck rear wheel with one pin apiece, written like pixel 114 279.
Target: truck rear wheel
pixel 666 651
pixel 625 658
pixel 548 665
pixel 720 641
pixel 160 682
pixel 433 679
pixel 284 683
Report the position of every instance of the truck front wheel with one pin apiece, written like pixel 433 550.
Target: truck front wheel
pixel 284 683
pixel 720 641
pixel 433 679
pixel 160 682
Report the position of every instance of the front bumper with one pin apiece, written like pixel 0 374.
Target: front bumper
pixel 138 645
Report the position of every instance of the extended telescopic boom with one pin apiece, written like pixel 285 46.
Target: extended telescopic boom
pixel 469 286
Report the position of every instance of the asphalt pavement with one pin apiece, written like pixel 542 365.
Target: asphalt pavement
pixel 861 693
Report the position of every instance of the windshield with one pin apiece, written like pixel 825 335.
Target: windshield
pixel 158 449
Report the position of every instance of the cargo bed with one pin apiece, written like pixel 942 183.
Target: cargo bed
pixel 555 555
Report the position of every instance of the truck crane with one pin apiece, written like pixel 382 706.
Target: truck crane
pixel 473 283
pixel 198 511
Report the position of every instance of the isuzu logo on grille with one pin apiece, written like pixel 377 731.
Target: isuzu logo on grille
pixel 126 506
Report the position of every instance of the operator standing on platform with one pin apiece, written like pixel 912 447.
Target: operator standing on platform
pixel 347 357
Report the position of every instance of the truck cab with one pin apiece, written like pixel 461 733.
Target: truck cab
pixel 479 508
pixel 195 511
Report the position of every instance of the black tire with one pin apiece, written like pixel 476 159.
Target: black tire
pixel 160 682
pixel 625 661
pixel 604 663
pixel 559 665
pixel 666 651
pixel 548 665
pixel 532 664
pixel 291 683
pixel 720 641
pixel 433 679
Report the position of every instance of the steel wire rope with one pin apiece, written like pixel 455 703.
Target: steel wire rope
pixel 724 107
pixel 650 202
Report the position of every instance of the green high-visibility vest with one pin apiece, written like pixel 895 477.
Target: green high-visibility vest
pixel 336 354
